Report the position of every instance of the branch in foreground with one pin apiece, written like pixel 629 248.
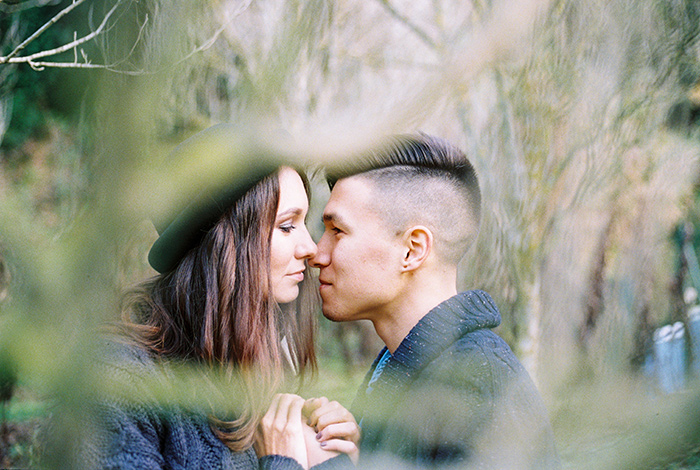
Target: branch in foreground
pixel 73 45
pixel 39 66
pixel 40 31
pixel 66 47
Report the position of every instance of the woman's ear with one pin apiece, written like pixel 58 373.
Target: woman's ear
pixel 418 242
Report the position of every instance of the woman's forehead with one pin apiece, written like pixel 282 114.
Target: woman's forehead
pixel 292 191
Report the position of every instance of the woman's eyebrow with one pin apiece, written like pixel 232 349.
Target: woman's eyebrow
pixel 291 211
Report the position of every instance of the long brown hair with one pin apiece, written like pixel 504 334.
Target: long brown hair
pixel 216 308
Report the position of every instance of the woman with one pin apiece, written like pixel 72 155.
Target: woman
pixel 230 299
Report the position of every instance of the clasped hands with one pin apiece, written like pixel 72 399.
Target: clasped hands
pixel 309 431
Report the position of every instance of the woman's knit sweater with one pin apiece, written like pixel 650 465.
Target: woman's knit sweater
pixel 140 432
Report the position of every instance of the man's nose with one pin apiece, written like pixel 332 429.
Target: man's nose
pixel 322 257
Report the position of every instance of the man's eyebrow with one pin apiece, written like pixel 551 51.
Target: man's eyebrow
pixel 332 217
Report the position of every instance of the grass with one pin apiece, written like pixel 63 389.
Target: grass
pixel 336 380
pixel 18 437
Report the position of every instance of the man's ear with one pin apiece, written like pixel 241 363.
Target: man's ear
pixel 418 244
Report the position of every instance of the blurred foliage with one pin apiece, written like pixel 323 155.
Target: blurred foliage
pixel 563 108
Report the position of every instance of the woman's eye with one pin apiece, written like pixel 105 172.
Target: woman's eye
pixel 287 228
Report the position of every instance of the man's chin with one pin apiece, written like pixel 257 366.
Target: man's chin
pixel 331 314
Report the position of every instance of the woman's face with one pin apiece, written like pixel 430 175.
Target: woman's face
pixel 291 243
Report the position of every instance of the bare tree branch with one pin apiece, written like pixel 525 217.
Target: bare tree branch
pixel 133 47
pixel 210 42
pixel 206 45
pixel 40 31
pixel 38 65
pixel 409 24
pixel 65 47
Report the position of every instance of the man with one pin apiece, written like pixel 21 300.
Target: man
pixel 446 390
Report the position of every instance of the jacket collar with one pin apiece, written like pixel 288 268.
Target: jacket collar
pixel 436 331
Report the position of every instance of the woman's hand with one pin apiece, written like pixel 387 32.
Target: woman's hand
pixel 280 431
pixel 314 451
pixel 336 427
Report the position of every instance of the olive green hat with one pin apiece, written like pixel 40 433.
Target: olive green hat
pixel 209 172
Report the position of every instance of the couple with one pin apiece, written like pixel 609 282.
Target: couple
pixel 232 296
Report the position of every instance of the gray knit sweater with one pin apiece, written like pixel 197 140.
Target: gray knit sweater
pixel 136 434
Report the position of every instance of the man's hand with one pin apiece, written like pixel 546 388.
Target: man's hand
pixel 336 427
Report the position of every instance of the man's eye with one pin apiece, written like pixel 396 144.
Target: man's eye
pixel 336 230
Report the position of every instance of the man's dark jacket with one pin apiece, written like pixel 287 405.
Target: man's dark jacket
pixel 454 394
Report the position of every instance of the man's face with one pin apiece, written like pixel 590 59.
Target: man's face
pixel 358 255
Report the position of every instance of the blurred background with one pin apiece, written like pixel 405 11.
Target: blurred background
pixel 581 117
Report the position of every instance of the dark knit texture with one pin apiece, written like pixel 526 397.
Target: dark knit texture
pixel 454 393
pixel 138 434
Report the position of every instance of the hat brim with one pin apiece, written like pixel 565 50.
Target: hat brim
pixel 180 233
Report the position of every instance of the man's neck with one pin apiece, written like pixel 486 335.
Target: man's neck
pixel 394 324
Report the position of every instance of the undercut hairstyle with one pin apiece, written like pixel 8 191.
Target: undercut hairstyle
pixel 216 308
pixel 421 180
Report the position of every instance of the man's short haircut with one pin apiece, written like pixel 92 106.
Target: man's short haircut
pixel 422 180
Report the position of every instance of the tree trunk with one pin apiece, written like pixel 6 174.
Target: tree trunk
pixel 529 345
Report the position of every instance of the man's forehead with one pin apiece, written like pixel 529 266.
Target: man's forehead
pixel 349 195
pixel 350 189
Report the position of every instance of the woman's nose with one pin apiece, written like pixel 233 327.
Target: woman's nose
pixel 306 247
